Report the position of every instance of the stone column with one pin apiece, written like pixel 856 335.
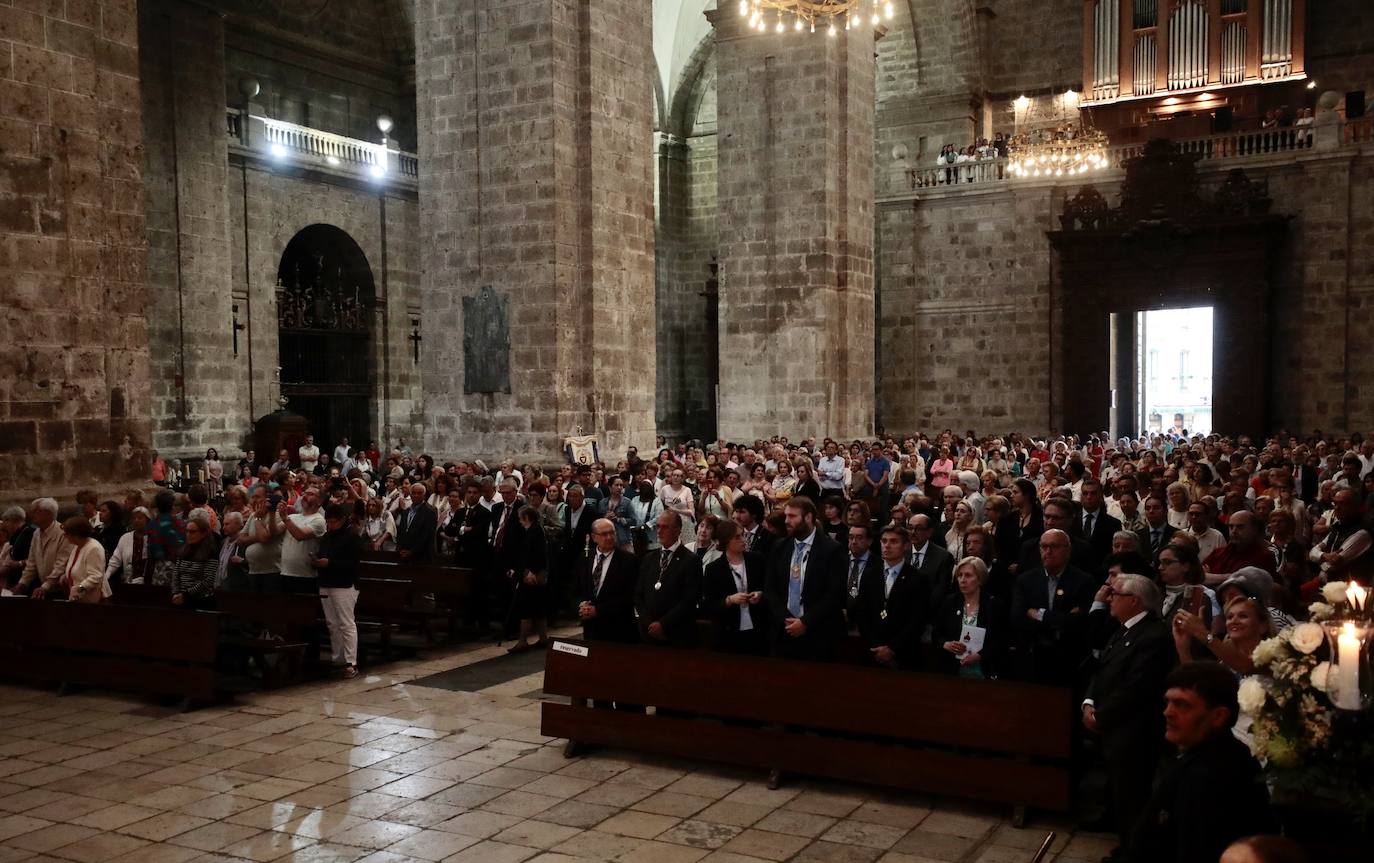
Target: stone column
pixel 795 127
pixel 197 396
pixel 537 180
pixel 74 374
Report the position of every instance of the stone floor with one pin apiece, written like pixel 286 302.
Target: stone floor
pixel 378 770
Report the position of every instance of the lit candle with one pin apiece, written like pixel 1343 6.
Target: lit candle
pixel 1347 689
pixel 1356 595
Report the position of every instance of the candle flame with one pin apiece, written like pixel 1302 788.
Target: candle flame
pixel 1355 594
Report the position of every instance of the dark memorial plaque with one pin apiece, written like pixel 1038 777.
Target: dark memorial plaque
pixel 486 342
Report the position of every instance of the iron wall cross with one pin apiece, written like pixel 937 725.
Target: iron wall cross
pixel 415 338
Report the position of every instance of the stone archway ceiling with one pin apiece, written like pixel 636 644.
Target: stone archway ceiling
pixel 679 27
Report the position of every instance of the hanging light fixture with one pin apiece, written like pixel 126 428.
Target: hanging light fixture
pixel 1061 143
pixel 806 13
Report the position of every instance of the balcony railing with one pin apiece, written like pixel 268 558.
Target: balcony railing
pixel 1232 145
pixel 302 145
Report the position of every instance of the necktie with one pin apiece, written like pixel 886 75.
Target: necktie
pixel 749 540
pixel 920 556
pixel 854 569
pixel 1154 539
pixel 600 572
pixel 665 557
pixel 794 583
pixel 1088 524
pixel 501 529
pixel 892 573
pixel 1050 588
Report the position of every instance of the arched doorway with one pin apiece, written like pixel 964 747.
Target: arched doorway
pixel 325 297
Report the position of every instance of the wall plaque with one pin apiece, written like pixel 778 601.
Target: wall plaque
pixel 486 342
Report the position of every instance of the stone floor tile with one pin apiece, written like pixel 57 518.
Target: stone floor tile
pixel 267 845
pixel 834 805
pixel 662 852
pixel 738 814
pixel 482 825
pixel 375 834
pixel 492 852
pixel 328 852
pixel 759 794
pixel 31 798
pixel 704 785
pixel 467 796
pixel 576 813
pixel 364 779
pixel 642 825
pixel 673 803
pixel 18 825
pixel 1029 838
pixel 891 814
pixel 69 809
pixel 271 789
pixel 48 838
pixel 432 844
pixel 766 845
pixel 596 845
pixel 506 777
pixel 794 823
pixel 423 813
pixel 114 816
pixel 320 824
pixel 957 824
pixel 520 803
pixel 536 834
pixel 415 787
pixel 700 834
pixel 935 846
pixel 454 770
pixel 163 853
pixel 724 856
pixel 868 835
pixel 559 786
pixel 100 848
pixel 619 796
pixel 214 836
pixel 832 852
pixel 163 826
pixel 369 804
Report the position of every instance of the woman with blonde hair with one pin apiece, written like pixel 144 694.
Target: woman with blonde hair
pixel 83 578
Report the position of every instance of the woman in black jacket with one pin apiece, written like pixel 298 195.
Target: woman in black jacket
pixel 732 596
pixel 961 617
pixel 531 599
pixel 336 566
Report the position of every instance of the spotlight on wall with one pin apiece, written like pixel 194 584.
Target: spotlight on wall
pixel 384 123
pixel 1311 85
pixel 378 171
pixel 333 161
pixel 278 151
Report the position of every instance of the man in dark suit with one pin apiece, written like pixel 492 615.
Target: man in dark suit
pixel 577 529
pixel 468 530
pixel 748 514
pixel 1049 614
pixel 1098 527
pixel 1059 514
pixel 606 582
pixel 507 539
pixel 417 528
pixel 934 562
pixel 805 588
pixel 1158 532
pixel 1213 793
pixel 894 604
pixel 863 560
pixel 1124 703
pixel 669 588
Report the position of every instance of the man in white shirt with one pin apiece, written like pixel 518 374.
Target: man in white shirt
pixel 1209 539
pixel 310 454
pixel 302 539
pixel 830 472
pixel 341 452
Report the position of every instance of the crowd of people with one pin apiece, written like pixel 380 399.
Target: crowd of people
pixel 959 161
pixel 1142 573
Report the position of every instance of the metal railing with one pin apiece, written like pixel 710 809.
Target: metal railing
pixel 303 144
pixel 1230 145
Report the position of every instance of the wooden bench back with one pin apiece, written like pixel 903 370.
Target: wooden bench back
pixel 156 595
pixel 448 581
pixel 160 650
pixel 278 612
pixel 986 740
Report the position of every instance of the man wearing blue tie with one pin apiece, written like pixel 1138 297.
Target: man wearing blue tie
pixel 894 604
pixel 805 588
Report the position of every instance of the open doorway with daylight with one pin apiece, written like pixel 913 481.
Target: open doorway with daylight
pixel 325 299
pixel 1174 370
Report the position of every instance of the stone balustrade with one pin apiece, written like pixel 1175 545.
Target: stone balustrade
pixel 265 138
pixel 1220 147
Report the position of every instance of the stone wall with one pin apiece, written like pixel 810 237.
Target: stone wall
pixel 536 179
pixel 970 304
pixel 196 395
pixel 386 229
pixel 74 382
pixel 795 131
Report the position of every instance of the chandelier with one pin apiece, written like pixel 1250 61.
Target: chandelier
pixel 765 15
pixel 1062 145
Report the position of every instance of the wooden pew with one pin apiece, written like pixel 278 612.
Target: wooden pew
pixel 984 740
pixel 159 651
pixel 291 617
pixel 147 595
pixel 449 586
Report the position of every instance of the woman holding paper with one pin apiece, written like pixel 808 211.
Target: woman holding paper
pixel 969 624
